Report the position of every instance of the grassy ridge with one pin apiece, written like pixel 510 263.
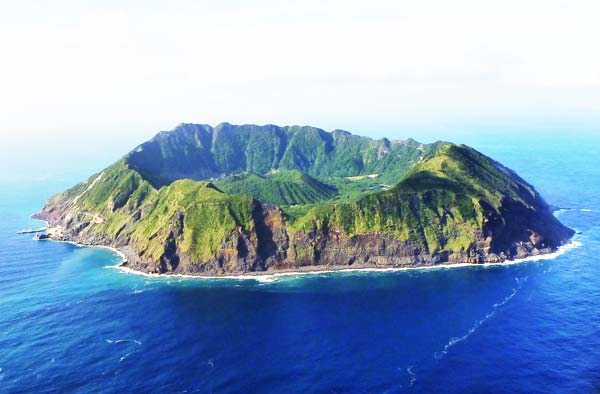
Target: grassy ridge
pixel 439 205
pixel 119 203
pixel 201 152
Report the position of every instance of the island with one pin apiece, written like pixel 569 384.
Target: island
pixel 240 199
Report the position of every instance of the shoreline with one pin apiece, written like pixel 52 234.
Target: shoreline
pixel 111 248
pixel 272 276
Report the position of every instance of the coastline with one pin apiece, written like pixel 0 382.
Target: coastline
pixel 272 276
pixel 111 248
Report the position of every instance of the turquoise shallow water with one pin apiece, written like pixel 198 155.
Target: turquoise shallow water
pixel 69 324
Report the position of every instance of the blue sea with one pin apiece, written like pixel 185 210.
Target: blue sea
pixel 71 324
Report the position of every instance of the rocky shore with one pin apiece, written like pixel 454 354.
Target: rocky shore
pixel 251 254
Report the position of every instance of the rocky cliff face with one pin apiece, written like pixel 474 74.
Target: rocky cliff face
pixel 455 206
pixel 271 246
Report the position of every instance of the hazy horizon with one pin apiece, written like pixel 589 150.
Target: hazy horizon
pixel 94 80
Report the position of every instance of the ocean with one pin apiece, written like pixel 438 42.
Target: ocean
pixel 69 323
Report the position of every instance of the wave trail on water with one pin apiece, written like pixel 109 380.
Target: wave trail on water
pixel 496 305
pixel 125 356
pixel 115 341
pixel 413 376
pixel 454 340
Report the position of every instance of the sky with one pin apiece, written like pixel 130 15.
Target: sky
pixel 95 78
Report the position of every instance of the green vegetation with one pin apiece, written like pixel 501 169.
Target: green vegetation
pixel 119 203
pixel 201 152
pixel 440 204
pixel 209 217
pixel 281 188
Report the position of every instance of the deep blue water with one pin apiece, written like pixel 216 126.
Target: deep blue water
pixel 69 324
